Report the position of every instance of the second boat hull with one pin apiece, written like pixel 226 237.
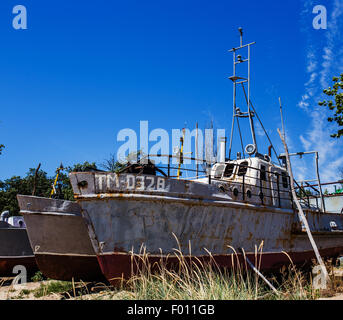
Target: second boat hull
pixel 15 250
pixel 59 238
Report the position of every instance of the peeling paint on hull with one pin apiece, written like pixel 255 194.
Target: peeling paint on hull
pixel 7 264
pixel 85 268
pixel 120 219
pixel 59 238
pixel 118 266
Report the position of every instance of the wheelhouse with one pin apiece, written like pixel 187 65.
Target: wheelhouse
pixel 255 180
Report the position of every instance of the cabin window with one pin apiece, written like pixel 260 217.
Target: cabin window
pixel 243 168
pixel 284 180
pixel 229 170
pixel 219 171
pixel 263 175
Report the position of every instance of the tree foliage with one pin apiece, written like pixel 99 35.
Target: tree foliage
pixel 82 167
pixel 335 104
pixel 111 164
pixel 9 188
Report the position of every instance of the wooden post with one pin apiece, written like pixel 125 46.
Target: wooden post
pixel 320 186
pixel 35 180
pixel 169 165
pixel 258 272
pixel 301 213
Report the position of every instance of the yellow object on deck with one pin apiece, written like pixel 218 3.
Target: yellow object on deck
pixel 53 191
pixel 181 152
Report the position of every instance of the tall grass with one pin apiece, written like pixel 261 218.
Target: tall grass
pixel 192 279
pixel 195 279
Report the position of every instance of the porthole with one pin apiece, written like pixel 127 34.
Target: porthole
pixel 221 188
pixel 82 184
pixel 249 194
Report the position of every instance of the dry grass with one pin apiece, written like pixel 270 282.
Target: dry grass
pixel 196 280
pixel 192 279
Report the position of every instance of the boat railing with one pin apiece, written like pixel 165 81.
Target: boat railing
pixel 177 170
pixel 312 194
pixel 262 186
pixel 247 183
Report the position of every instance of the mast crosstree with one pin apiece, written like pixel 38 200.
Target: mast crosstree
pixel 238 80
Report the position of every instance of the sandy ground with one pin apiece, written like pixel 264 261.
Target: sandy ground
pixel 10 291
pixel 337 297
pixel 27 291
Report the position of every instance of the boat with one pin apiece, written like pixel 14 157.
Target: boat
pixel 242 207
pixel 59 238
pixel 15 249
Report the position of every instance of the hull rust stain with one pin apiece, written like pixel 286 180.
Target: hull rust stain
pixel 121 218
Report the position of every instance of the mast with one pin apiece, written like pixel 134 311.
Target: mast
pixel 239 80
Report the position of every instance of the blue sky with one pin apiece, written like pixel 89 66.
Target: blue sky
pixel 82 71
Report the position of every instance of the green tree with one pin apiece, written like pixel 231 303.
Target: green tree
pixel 17 185
pixel 82 167
pixel 9 188
pixel 111 164
pixel 64 187
pixel 335 104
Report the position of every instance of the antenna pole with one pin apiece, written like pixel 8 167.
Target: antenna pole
pixel 234 103
pixel 241 35
pixel 181 153
pixel 237 59
pixel 249 111
pixel 282 123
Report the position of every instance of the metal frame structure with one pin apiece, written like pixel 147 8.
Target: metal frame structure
pixel 237 80
pixel 300 154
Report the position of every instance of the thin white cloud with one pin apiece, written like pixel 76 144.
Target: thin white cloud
pixel 322 64
pixel 258 129
pixel 332 35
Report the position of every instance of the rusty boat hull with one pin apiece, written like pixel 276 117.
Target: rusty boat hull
pixel 59 238
pixel 15 250
pixel 126 211
pixel 117 266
